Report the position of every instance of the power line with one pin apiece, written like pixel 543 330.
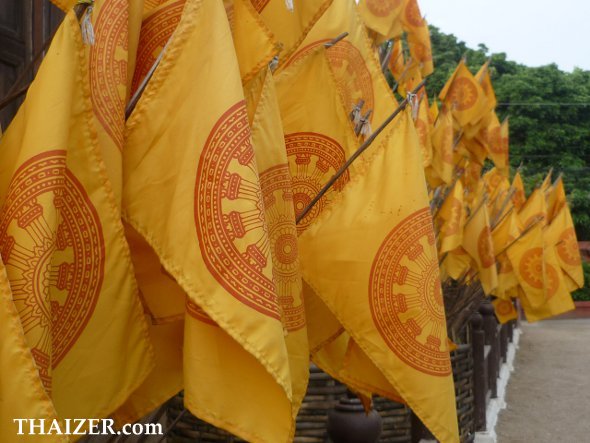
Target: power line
pixel 582 104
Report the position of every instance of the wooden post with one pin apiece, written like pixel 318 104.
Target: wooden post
pixel 480 373
pixel 491 339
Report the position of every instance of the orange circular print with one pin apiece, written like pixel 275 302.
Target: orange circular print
pixel 504 307
pixel 156 29
pixel 108 68
pixel 530 267
pixel 405 296
pixel 485 248
pixel 382 8
pixel 53 248
pixel 277 192
pixel 353 78
pixel 567 247
pixel 447 145
pixel 229 214
pixel 421 52
pixel 413 15
pixel 462 94
pixel 313 160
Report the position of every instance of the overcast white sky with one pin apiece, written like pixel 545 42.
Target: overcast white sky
pixel 531 32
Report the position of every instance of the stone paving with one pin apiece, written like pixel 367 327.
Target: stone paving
pixel 548 395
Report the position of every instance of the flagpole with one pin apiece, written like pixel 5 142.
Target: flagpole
pixel 357 153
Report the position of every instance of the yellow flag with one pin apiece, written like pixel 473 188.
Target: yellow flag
pixel 556 200
pixel 562 235
pixel 546 185
pixel 519 197
pixel 526 256
pixel 533 209
pixel 483 77
pixel 356 70
pixel 477 241
pixel 505 310
pixel 372 258
pixel 423 128
pixel 277 191
pixel 456 263
pixel 418 36
pixel 442 146
pixel 196 165
pixel 557 298
pixel 433 111
pixel 290 25
pixel 502 235
pixel 492 136
pixel 318 135
pixel 464 96
pixel 382 16
pixel 397 61
pixel 452 219
pixel 64 5
pixel 63 246
pixel 21 391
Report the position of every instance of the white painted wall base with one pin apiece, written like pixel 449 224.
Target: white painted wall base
pixel 497 404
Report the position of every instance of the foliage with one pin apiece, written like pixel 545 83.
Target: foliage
pixel 544 132
pixel 584 293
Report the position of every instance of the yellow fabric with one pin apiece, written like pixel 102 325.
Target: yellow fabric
pixel 546 185
pixel 502 235
pixel 383 17
pixel 533 209
pixel 396 61
pixel 456 263
pixel 356 70
pixel 483 77
pixel 491 135
pixel 423 129
pixel 290 27
pixel 556 200
pixel 477 241
pixel 519 197
pixel 418 36
pixel 526 256
pixel 557 298
pixel 277 191
pixel 254 43
pixel 464 96
pixel 63 245
pixel 410 78
pixel 452 217
pixel 442 147
pixel 21 391
pixel 504 310
pixel 187 169
pixel 434 111
pixel 562 235
pixel 318 135
pixel 111 57
pixel 373 245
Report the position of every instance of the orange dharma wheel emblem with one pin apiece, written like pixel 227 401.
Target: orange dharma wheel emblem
pixel 229 216
pixel 567 247
pixel 313 160
pixel 485 247
pixel 53 248
pixel 530 267
pixel 108 68
pixel 504 307
pixel 276 188
pixel 462 94
pixel 551 281
pixel 421 52
pixel 382 8
pixel 495 142
pixel 405 296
